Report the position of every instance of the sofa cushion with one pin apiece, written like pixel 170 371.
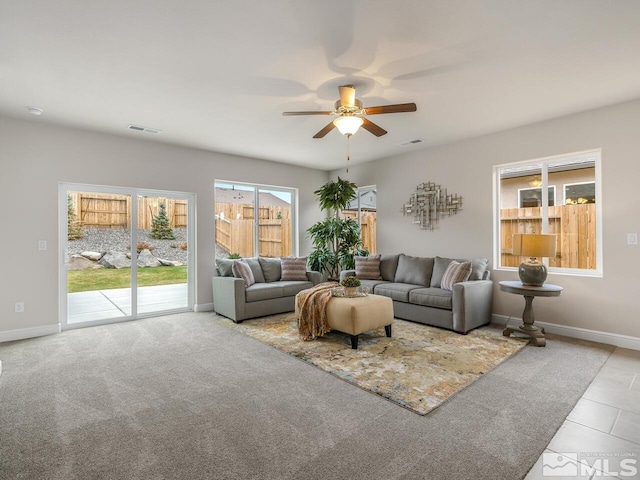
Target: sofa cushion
pixel 395 291
pixel 241 269
pixel 431 297
pixel 271 268
pixel 456 272
pixel 294 268
pixel 371 284
pixel 256 269
pixel 414 270
pixel 388 266
pixel 368 268
pixel 263 291
pixel 224 267
pixel 289 289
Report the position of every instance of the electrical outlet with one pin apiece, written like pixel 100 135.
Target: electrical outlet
pixel 632 238
pixel 42 244
pixel 19 307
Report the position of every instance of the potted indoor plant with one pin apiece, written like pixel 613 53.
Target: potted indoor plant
pixel 351 285
pixel 335 240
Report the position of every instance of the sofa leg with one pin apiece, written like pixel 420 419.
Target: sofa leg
pixel 387 330
pixel 354 342
pixel 238 321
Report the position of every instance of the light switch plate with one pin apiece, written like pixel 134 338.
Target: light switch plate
pixel 632 238
pixel 42 244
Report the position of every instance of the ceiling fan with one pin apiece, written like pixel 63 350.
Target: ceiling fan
pixel 350 114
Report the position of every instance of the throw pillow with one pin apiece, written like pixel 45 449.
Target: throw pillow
pixel 241 269
pixel 456 272
pixel 224 265
pixel 414 270
pixel 294 268
pixel 271 268
pixel 368 268
pixel 256 269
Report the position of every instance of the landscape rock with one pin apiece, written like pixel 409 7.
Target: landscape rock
pixel 79 262
pixel 95 256
pixel 170 263
pixel 115 260
pixel 146 259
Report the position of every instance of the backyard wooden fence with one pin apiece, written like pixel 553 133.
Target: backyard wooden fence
pixel 236 236
pixel 235 226
pixel 98 210
pixel 368 226
pixel 575 226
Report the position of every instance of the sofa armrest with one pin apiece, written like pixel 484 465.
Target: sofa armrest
pixel 472 304
pixel 314 277
pixel 229 297
pixel 347 273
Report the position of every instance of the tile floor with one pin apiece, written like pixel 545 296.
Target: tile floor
pixel 601 436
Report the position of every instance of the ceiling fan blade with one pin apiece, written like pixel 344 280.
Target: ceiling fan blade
pixel 347 95
pixel 397 108
pixel 325 130
pixel 373 128
pixel 315 112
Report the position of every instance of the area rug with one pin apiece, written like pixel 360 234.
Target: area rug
pixel 419 367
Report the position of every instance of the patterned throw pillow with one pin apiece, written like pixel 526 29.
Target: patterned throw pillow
pixel 294 268
pixel 368 268
pixel 456 272
pixel 241 269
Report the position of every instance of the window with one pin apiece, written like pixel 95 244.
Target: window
pixel 363 208
pixel 236 220
pixel 526 203
pixel 579 193
pixel 532 197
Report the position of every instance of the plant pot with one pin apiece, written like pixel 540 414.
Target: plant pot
pixel 351 291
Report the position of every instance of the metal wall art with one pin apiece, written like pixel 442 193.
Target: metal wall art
pixel 429 203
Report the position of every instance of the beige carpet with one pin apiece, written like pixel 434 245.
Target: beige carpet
pixel 419 368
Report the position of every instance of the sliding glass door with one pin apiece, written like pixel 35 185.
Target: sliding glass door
pixel 125 254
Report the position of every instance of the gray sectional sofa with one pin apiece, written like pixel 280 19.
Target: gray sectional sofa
pixel 414 285
pixel 268 296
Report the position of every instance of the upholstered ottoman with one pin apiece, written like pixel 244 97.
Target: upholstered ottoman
pixel 356 315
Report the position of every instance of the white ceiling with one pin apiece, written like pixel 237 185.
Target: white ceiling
pixel 217 74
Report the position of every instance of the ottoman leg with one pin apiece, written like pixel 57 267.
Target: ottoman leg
pixel 387 330
pixel 354 342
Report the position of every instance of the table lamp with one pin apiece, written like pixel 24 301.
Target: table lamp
pixel 537 245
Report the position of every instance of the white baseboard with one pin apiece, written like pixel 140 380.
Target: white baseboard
pixel 624 341
pixel 22 333
pixel 203 307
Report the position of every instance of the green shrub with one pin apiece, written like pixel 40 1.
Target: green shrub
pixel 74 226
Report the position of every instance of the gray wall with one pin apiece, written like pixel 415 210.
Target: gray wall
pixel 35 157
pixel 606 304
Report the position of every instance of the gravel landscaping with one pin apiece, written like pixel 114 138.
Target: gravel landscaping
pixel 119 240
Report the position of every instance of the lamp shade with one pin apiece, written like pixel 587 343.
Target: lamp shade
pixel 534 245
pixel 348 125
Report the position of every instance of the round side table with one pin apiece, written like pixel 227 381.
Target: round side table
pixel 535 334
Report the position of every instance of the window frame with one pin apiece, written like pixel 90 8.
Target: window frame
pixel 544 163
pixel 257 188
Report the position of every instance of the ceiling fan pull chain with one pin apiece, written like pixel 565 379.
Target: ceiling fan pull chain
pixel 348 151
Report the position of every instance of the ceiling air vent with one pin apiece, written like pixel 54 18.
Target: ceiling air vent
pixel 144 129
pixel 411 142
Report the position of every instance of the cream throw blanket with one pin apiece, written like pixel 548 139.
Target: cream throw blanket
pixel 312 312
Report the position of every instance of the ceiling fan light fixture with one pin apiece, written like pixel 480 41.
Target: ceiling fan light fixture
pixel 348 125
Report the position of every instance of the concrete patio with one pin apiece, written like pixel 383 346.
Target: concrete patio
pixel 115 303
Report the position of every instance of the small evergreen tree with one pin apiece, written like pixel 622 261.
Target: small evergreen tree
pixel 74 227
pixel 160 226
